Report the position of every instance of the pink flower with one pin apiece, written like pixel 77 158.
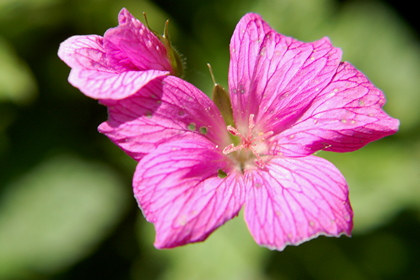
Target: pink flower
pixel 200 164
pixel 120 63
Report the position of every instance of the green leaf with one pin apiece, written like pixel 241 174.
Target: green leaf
pixel 380 44
pixel 56 214
pixel 16 81
pixel 383 180
pixel 228 253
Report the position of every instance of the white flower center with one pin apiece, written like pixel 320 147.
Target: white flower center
pixel 252 146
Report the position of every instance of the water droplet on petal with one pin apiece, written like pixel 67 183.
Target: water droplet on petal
pixel 240 89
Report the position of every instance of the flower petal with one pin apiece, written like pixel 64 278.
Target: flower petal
pixel 132 43
pixel 85 52
pixel 296 199
pixel 92 74
pixel 273 76
pixel 111 85
pixel 179 191
pixel 166 109
pixel 346 116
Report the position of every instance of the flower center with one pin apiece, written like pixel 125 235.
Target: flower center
pixel 251 147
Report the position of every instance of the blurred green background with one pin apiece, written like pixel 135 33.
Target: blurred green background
pixel 66 204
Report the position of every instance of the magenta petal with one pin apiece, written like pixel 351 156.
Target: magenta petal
pixel 178 188
pixel 85 52
pixel 295 200
pixel 346 116
pixel 111 85
pixel 133 44
pixel 117 65
pixel 273 76
pixel 92 74
pixel 164 110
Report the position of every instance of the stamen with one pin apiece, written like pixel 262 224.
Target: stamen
pixel 231 148
pixel 251 123
pixel 259 160
pixel 233 131
pixel 249 142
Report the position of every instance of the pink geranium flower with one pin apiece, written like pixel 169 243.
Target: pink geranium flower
pixel 121 62
pixel 200 164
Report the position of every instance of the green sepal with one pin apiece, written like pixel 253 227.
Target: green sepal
pixel 174 57
pixel 221 99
